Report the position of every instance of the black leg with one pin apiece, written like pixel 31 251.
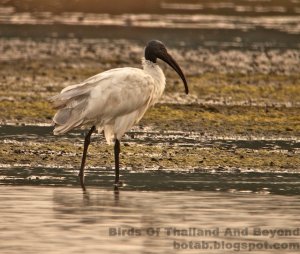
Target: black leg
pixel 87 141
pixel 117 162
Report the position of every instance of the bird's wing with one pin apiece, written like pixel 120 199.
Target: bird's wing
pixel 102 98
pixel 125 91
pixel 70 93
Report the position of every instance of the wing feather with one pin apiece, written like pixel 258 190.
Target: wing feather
pixel 102 98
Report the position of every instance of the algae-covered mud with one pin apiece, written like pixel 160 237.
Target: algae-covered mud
pixel 242 102
pixel 243 112
pixel 149 149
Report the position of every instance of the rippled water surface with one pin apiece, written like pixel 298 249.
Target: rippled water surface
pixel 66 220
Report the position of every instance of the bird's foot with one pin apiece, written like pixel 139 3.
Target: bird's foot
pixel 81 179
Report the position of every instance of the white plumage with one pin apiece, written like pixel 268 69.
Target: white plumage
pixel 113 100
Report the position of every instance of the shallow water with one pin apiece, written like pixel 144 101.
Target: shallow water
pixel 66 220
pixel 157 180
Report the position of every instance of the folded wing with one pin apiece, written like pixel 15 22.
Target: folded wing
pixel 102 98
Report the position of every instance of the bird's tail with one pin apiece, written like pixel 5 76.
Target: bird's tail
pixel 65 120
pixel 70 111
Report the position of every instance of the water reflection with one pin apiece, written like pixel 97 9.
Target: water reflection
pixel 35 219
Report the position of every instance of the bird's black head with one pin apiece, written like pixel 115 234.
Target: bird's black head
pixel 156 49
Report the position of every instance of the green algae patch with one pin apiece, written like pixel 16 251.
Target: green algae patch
pixel 215 120
pixel 226 120
pixel 229 101
pixel 26 111
pixel 251 88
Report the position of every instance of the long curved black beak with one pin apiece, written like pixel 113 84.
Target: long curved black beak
pixel 170 61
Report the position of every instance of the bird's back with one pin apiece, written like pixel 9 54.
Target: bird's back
pixel 113 100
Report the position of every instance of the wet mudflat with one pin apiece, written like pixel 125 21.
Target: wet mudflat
pixel 152 161
pixel 226 158
pixel 147 148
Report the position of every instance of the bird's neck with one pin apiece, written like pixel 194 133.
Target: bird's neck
pixel 154 71
pixel 148 64
pixel 152 68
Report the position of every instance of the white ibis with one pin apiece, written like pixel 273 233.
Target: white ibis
pixel 113 101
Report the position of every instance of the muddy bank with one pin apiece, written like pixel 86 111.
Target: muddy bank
pixel 234 94
pixel 252 81
pixel 145 148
